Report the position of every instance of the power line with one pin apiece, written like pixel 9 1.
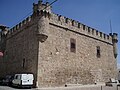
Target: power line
pixel 50 4
pixel 31 12
pixel 22 18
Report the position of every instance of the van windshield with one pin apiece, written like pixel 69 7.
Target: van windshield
pixel 17 77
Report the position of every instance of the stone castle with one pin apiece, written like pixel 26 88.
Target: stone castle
pixel 57 50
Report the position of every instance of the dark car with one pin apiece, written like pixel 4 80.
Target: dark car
pixel 8 80
pixel 1 81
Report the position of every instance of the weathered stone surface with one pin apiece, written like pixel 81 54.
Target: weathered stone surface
pixel 50 58
pixel 60 66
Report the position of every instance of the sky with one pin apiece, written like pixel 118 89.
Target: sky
pixel 93 13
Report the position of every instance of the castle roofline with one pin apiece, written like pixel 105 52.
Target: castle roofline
pixel 76 25
pixel 66 22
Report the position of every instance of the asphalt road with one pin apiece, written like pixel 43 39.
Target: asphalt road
pixel 64 88
pixel 11 88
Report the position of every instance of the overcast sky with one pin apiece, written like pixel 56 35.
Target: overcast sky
pixel 94 13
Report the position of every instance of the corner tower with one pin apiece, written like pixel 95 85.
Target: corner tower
pixel 42 12
pixel 41 17
pixel 115 40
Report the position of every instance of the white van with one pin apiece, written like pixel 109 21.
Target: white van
pixel 23 80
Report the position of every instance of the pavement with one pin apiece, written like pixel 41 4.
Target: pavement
pixel 85 87
pixel 11 88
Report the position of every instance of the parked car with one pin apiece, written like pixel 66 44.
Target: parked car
pixel 23 80
pixel 1 80
pixel 7 80
pixel 112 82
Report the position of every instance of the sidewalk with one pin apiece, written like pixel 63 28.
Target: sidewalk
pixel 83 87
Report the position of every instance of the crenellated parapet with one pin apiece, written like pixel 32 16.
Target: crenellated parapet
pixel 40 6
pixel 27 22
pixel 42 12
pixel 19 26
pixel 64 22
pixel 77 27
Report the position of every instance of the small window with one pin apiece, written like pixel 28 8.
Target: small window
pixel 72 45
pixel 23 63
pixel 98 52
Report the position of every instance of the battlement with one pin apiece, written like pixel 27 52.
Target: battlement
pixel 75 26
pixel 17 27
pixel 63 22
pixel 41 6
pixel 68 23
pixel 26 22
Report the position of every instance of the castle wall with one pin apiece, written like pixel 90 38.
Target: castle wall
pixel 59 66
pixel 42 44
pixel 21 50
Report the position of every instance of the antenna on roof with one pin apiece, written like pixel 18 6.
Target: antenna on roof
pixel 31 11
pixel 110 27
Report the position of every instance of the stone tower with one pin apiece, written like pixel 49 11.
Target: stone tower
pixel 115 40
pixel 42 13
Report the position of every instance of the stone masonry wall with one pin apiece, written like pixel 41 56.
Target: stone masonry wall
pixel 41 45
pixel 58 66
pixel 21 50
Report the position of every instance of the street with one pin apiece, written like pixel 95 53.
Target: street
pixel 11 88
pixel 66 88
